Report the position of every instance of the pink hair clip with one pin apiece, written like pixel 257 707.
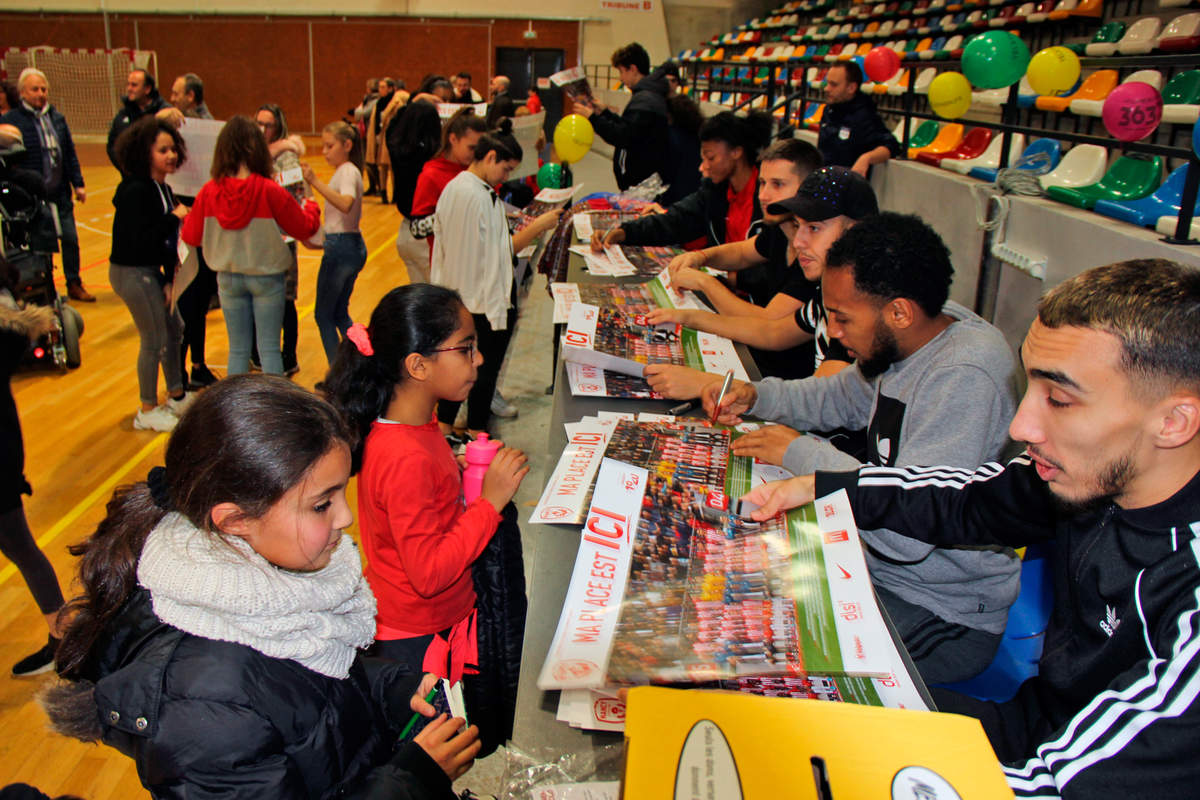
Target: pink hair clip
pixel 362 340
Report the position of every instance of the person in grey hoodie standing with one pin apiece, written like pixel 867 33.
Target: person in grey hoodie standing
pixel 640 133
pixel 932 383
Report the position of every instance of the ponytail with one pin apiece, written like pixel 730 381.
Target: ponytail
pixel 463 120
pixel 500 141
pixel 108 573
pixel 344 132
pixel 246 440
pixel 415 318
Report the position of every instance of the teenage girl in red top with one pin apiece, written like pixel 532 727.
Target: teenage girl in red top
pixel 419 537
pixel 459 136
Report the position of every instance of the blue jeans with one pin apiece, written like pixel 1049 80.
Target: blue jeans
pixel 345 255
pixel 253 308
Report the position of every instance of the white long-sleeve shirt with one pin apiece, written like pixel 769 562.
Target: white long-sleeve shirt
pixel 472 249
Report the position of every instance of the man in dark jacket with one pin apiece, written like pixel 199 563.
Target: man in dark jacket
pixel 639 134
pixel 1110 479
pixel 852 133
pixel 50 152
pixel 141 98
pixel 502 104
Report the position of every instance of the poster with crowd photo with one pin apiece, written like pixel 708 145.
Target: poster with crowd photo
pixel 543 201
pixel 650 260
pixel 574 82
pixel 689 452
pixel 589 222
pixel 585 381
pixel 611 339
pixel 630 298
pixel 668 586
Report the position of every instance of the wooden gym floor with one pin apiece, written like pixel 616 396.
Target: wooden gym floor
pixel 80 444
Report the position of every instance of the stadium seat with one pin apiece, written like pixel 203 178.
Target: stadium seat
pixel 972 145
pixel 1062 10
pixel 1016 659
pixel 1023 12
pixel 934 48
pixel 949 137
pixel 1093 108
pixel 1041 13
pixel 924 78
pixel 1181 33
pixel 814 122
pixel 1082 165
pixel 1004 17
pixel 1166 201
pixel 1088 8
pixel 1097 86
pixel 993 98
pixel 953 45
pixel 1181 98
pixel 1167 225
pixel 1040 152
pixel 922 45
pixel 1129 178
pixel 1104 43
pixel 1141 37
pixel 919 135
pixel 901 85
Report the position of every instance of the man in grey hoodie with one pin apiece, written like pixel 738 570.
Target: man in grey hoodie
pixel 931 380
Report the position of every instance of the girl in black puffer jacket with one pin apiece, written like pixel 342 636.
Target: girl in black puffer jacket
pixel 216 641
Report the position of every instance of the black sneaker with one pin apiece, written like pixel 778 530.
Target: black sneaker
pixel 37 663
pixel 202 376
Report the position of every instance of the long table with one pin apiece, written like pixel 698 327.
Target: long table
pixel 550 555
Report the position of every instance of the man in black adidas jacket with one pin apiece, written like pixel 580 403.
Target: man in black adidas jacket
pixel 1111 478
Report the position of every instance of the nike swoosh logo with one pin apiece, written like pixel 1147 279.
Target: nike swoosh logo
pixel 845 574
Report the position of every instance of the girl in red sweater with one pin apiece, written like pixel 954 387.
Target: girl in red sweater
pixel 419 537
pixel 459 137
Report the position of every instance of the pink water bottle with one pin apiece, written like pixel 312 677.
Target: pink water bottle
pixel 479 454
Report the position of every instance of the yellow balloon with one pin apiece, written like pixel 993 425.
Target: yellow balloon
pixel 950 95
pixel 1053 71
pixel 573 137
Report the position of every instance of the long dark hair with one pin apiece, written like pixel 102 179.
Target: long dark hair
pixel 410 319
pixel 281 128
pixel 246 440
pixel 241 142
pixel 135 143
pixel 502 142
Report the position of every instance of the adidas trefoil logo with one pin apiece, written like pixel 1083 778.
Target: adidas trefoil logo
pixel 1110 622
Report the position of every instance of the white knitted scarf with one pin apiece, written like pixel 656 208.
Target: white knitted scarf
pixel 224 590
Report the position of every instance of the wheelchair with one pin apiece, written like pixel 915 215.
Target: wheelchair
pixel 28 238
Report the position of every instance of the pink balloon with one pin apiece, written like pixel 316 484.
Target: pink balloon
pixel 1132 111
pixel 881 63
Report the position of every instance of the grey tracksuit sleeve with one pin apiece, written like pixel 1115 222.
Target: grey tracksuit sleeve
pixel 843 400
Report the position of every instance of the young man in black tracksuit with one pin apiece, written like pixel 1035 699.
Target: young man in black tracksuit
pixel 1111 479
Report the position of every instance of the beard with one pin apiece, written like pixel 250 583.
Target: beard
pixel 884 352
pixel 1107 484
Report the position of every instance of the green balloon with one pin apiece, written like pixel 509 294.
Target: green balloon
pixel 550 176
pixel 994 60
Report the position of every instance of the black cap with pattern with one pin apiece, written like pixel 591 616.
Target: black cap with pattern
pixel 827 193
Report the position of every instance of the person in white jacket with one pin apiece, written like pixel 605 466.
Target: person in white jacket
pixel 473 253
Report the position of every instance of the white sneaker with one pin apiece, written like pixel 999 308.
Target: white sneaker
pixel 501 407
pixel 159 418
pixel 177 407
